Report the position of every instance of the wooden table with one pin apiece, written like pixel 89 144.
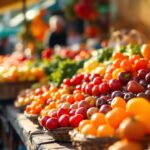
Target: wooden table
pixel 30 134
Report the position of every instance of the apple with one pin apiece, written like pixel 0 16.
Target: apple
pixel 105 108
pixel 66 105
pixel 83 103
pixel 44 120
pixel 91 111
pixel 62 111
pixel 82 111
pixel 91 101
pixel 75 120
pixel 72 112
pixel 64 120
pixel 95 90
pixel 52 123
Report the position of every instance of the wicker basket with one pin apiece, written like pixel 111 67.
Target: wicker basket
pixel 9 91
pixel 146 142
pixel 60 134
pixel 33 118
pixel 90 143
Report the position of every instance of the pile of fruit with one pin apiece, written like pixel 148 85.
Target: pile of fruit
pixel 21 72
pixel 100 99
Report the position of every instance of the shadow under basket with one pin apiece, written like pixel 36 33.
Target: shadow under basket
pixel 82 142
pixel 33 118
pixel 60 134
pixel 9 91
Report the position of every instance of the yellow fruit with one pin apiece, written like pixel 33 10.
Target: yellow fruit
pixel 138 106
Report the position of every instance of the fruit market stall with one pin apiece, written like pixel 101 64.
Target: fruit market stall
pixel 100 106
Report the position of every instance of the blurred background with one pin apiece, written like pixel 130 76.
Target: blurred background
pixel 25 24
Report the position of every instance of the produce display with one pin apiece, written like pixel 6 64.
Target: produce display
pixel 19 69
pixel 108 97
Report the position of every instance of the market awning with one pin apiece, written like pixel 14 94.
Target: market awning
pixel 10 5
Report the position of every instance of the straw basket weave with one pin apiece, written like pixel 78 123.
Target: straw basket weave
pixel 90 143
pixel 9 91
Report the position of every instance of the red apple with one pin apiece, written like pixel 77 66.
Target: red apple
pixel 82 111
pixel 83 103
pixel 62 111
pixel 91 101
pixel 75 120
pixel 44 120
pixel 52 123
pixel 64 121
pixel 91 111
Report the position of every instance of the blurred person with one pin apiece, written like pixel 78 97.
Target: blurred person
pixel 57 34
pixel 73 37
pixel 3 46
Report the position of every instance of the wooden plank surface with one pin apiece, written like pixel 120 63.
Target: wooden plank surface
pixel 30 134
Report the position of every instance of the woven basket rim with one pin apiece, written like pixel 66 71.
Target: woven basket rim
pixel 79 137
pixel 60 129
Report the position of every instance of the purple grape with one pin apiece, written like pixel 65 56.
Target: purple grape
pixel 124 77
pixel 147 92
pixel 148 86
pixel 147 78
pixel 142 73
pixel 128 96
pixel 135 79
pixel 100 102
pixel 143 83
pixel 142 95
pixel 117 94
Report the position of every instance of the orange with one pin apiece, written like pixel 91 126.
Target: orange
pixel 52 105
pixel 105 131
pixel 53 89
pixel 78 97
pixel 146 122
pixel 117 63
pixel 57 96
pixel 118 55
pixel 145 51
pixel 89 129
pixel 126 65
pixel 83 123
pixel 138 106
pixel 131 129
pixel 98 119
pixel 125 145
pixel 116 116
pixel 116 72
pixel 108 76
pixel 70 99
pixel 118 102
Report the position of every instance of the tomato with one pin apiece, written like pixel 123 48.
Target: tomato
pixel 126 65
pixel 141 64
pixel 133 58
